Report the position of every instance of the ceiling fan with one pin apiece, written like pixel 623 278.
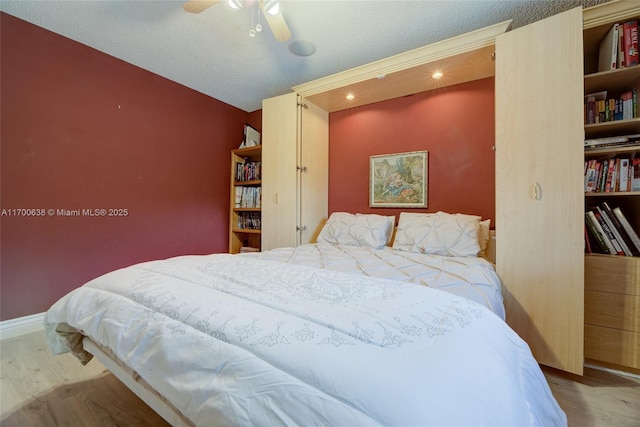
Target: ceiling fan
pixel 270 10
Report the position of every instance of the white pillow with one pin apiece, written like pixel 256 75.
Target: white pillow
pixel 370 230
pixel 439 234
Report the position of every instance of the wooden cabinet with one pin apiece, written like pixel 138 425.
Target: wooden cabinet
pixel 540 203
pixel 612 310
pixel 539 182
pixel 245 206
pixel 612 283
pixel 295 135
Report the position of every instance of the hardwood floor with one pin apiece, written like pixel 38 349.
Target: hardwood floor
pixel 38 389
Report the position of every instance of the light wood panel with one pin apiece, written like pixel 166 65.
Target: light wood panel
pixel 539 179
pixel 279 175
pixel 612 346
pixel 610 273
pixel 612 310
pixel 314 178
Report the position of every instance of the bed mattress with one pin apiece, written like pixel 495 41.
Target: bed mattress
pixel 471 277
pixel 232 340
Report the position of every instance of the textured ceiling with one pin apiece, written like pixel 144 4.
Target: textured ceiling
pixel 212 52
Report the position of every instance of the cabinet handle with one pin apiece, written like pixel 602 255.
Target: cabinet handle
pixel 303 228
pixel 536 191
pixel 301 168
pixel 275 198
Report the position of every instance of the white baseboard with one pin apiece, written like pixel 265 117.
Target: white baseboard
pixel 20 326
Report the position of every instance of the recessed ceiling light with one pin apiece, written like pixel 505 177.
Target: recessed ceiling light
pixel 302 48
pixel 436 75
pixel 350 96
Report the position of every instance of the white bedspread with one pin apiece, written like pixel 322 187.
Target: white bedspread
pixel 232 340
pixel 470 277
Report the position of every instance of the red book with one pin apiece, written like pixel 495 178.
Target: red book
pixel 630 29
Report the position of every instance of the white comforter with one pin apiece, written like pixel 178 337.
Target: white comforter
pixel 232 340
pixel 470 277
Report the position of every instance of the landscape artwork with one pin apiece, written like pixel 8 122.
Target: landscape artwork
pixel 399 180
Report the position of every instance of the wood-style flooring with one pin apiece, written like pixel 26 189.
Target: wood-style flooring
pixel 39 389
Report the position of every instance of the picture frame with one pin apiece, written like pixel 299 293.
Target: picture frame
pixel 399 180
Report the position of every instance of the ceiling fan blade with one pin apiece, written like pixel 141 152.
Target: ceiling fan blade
pixel 197 6
pixel 278 25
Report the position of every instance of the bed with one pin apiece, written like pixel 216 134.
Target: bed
pixel 349 331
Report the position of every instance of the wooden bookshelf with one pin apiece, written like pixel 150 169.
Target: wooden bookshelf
pixel 241 234
pixel 612 282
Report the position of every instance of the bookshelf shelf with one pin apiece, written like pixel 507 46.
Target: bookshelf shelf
pixel 247 209
pixel 247 230
pixel 617 127
pixel 612 282
pixel 614 193
pixel 614 80
pixel 252 182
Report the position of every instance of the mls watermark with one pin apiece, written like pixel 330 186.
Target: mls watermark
pixel 64 212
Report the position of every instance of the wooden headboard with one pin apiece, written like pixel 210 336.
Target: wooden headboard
pixel 490 252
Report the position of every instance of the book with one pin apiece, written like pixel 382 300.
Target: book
pixel 591 102
pixel 621 246
pixel 598 226
pixel 597 236
pixel 630 30
pixel 629 246
pixel 608 231
pixel 238 196
pixel 623 182
pixel 635 174
pixel 621 55
pixel 608 53
pixel 611 171
pixel 627 227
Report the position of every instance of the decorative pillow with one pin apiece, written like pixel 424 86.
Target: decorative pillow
pixel 370 230
pixel 483 237
pixel 439 234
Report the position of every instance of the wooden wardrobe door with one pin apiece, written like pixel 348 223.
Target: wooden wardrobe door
pixel 314 176
pixel 539 186
pixel 279 175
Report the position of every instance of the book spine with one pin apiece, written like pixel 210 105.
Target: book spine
pixel 621 55
pixel 624 175
pixel 603 176
pixel 599 238
pixel 631 250
pixel 605 238
pixel 630 30
pixel 627 227
pixel 608 231
pixel 609 180
pixel 635 174
pixel 616 234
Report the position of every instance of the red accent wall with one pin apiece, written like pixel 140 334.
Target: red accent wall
pixel 83 130
pixel 454 124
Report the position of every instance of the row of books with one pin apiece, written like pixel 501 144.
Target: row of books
pixel 248 171
pixel 618 174
pixel 619 47
pixel 248 197
pixel 249 221
pixel 608 231
pixel 598 108
pixel 612 142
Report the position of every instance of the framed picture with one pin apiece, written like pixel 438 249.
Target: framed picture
pixel 399 180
